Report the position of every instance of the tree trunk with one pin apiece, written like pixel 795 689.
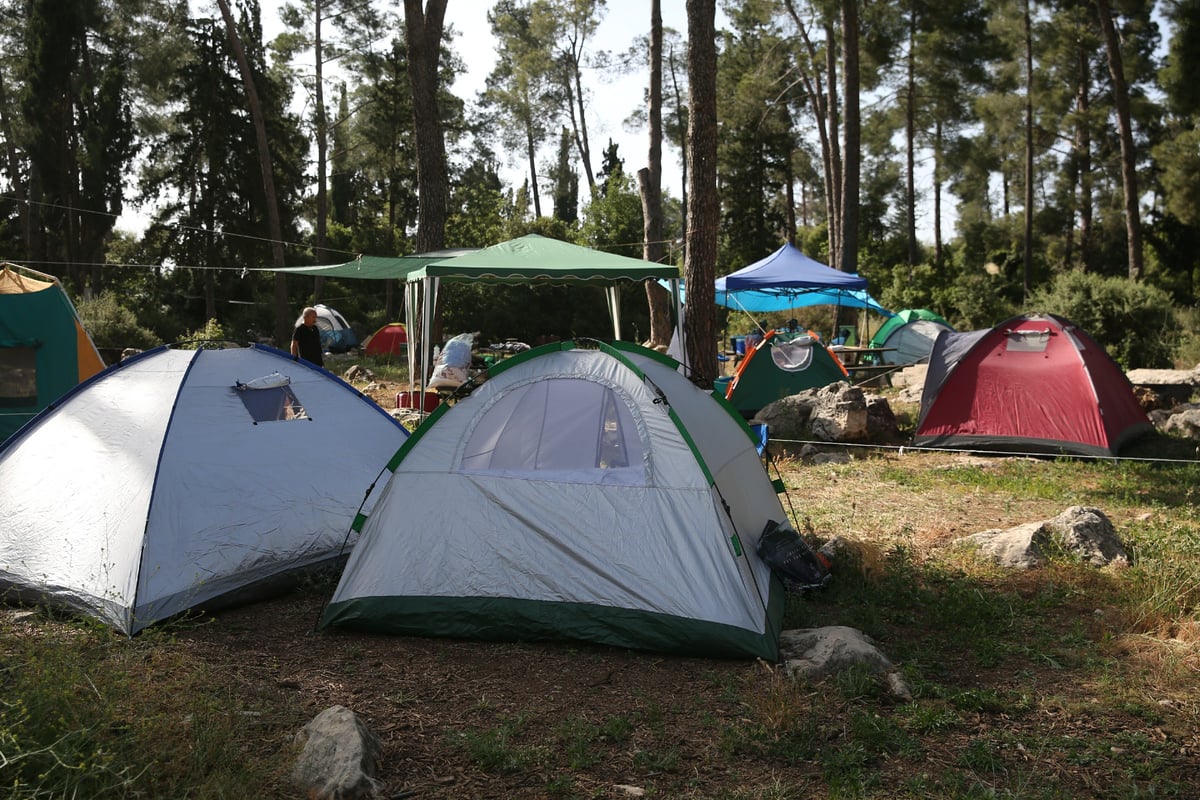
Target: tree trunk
pixel 910 145
pixel 322 148
pixel 1129 183
pixel 1027 258
pixel 852 157
pixel 703 208
pixel 836 175
pixel 650 185
pixel 1083 150
pixel 424 35
pixel 938 147
pixel 531 151
pixel 274 226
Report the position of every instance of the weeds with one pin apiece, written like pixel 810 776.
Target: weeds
pixel 1066 681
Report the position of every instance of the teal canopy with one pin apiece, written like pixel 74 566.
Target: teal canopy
pixel 537 259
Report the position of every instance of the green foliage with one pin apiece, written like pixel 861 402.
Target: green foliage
pixel 211 335
pixel 1134 322
pixel 111 325
pixel 80 717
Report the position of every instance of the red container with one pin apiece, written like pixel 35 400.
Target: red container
pixel 429 402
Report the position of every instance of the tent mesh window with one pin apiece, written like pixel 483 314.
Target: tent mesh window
pixel 1027 341
pixel 18 377
pixel 793 356
pixel 276 404
pixel 561 429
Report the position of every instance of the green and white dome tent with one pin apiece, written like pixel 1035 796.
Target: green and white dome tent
pixel 580 494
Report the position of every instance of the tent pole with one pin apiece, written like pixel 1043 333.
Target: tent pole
pixel 678 298
pixel 429 307
pixel 614 310
pixel 409 316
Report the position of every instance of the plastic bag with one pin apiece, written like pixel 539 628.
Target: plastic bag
pixel 790 557
pixel 453 363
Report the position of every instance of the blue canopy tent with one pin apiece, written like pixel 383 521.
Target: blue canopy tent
pixel 788 279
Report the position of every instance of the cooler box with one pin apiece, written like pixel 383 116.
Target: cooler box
pixel 413 400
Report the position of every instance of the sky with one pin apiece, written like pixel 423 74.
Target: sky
pixel 612 98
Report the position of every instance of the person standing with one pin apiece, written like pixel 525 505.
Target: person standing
pixel 306 339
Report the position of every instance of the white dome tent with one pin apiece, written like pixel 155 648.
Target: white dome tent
pixel 182 476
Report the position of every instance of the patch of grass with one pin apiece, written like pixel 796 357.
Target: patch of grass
pixel 87 713
pixel 497 750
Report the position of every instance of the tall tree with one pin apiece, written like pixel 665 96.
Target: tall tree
pixel 262 141
pixel 566 182
pixel 1129 181
pixel 78 132
pixel 517 87
pixel 703 207
pixel 567 27
pixel 650 185
pixel 423 33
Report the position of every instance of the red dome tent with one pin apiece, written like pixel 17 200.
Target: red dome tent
pixel 1034 383
pixel 389 340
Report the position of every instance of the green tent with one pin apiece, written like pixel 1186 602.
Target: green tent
pixel 911 333
pixel 781 366
pixel 44 350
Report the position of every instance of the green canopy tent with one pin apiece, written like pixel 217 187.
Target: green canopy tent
pixel 526 259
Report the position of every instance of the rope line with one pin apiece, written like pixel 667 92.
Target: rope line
pixel 908 448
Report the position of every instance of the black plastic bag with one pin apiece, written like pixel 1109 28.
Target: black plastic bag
pixel 790 557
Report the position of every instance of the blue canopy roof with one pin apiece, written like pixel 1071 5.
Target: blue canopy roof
pixel 788 279
pixel 787 299
pixel 788 269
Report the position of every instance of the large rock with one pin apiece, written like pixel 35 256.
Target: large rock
pixel 339 757
pixel 1085 533
pixel 817 652
pixel 834 413
pixel 1181 421
pixel 1089 534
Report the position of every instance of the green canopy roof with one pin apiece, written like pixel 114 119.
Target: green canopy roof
pixel 527 259
pixel 377 267
pixel 537 258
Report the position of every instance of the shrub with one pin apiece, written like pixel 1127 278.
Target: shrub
pixel 113 326
pixel 1134 322
pixel 208 337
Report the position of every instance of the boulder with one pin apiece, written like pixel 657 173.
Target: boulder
pixel 338 759
pixel 818 652
pixel 1082 532
pixel 1181 421
pixel 1088 534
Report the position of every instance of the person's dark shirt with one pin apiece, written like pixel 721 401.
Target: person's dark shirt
pixel 308 343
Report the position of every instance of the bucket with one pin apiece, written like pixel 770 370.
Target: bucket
pixel 739 345
pixel 413 400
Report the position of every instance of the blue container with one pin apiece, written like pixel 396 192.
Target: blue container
pixel 739 345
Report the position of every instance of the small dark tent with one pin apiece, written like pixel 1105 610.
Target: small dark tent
pixel 336 334
pixel 911 334
pixel 1034 383
pixel 780 366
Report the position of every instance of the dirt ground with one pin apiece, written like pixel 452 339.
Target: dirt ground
pixel 488 720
